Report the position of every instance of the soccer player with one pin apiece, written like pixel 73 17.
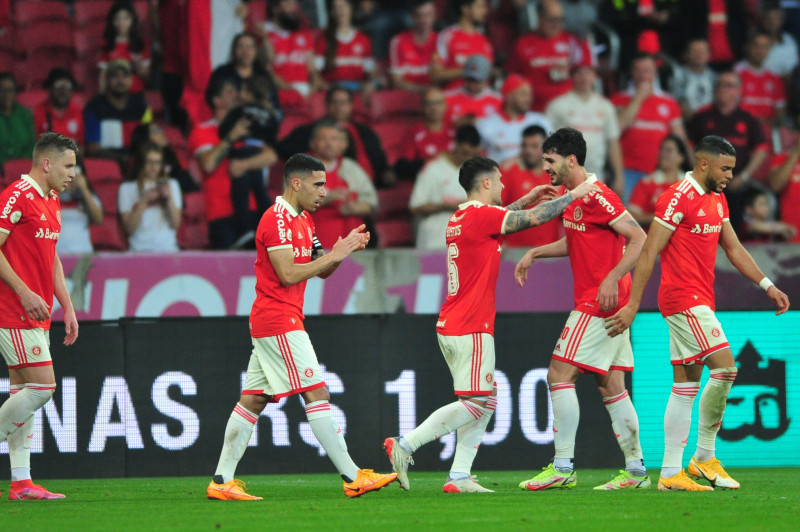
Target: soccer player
pixel 691 219
pixel 465 327
pixel 596 230
pixel 283 361
pixel 30 223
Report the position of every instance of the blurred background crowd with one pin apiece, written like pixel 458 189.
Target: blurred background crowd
pixel 185 109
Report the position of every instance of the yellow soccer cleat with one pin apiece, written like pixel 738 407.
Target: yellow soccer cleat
pixel 235 490
pixel 713 472
pixel 681 482
pixel 366 481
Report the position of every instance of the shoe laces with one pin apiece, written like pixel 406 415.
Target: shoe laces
pixel 240 484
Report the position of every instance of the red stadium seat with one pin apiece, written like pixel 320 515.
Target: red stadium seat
pixel 87 43
pixel 394 234
pixel 108 236
pixel 86 75
pixel 275 184
pixel 392 103
pixel 155 102
pixel 102 171
pixel 31 98
pixel 193 232
pixel 107 192
pixel 392 135
pixel 14 169
pixel 54 36
pixel 393 203
pixel 289 122
pixel 88 11
pixel 8 59
pixel 29 11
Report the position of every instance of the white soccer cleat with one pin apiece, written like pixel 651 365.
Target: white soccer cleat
pixel 400 460
pixel 464 485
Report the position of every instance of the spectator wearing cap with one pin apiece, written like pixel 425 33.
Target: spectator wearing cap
pixel 544 57
pixel 500 132
pixel 57 112
pixel 584 109
pixel 474 99
pixel 456 44
pixel 111 116
pixel 17 135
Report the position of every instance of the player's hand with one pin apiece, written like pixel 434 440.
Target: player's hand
pixel 236 167
pixel 541 193
pixel 583 189
pixel 71 324
pixel 608 295
pixel 616 324
pixel 363 235
pixel 150 196
pixel 35 307
pixel 352 242
pixel 521 270
pixel 240 129
pixel 780 299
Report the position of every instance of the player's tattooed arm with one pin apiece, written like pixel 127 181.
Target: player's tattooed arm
pixel 516 206
pixel 542 213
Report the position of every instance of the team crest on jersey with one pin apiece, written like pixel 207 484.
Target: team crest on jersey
pixel 36 350
pixel 309 372
pixel 15 216
pixel 690 195
pixel 715 332
pixel 677 217
pixel 301 41
pixel 358 48
pixel 663 110
pixel 577 214
pixel 489 377
pixel 719 209
pixel 58 216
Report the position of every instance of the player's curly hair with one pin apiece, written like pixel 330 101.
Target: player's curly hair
pixel 474 169
pixel 565 142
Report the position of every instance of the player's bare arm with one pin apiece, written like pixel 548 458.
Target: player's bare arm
pixel 290 273
pixel 534 195
pixel 608 293
pixel 35 307
pixel 544 212
pixel 743 261
pixel 62 295
pixel 656 239
pixel 554 249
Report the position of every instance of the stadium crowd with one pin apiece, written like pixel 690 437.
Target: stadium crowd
pixel 392 97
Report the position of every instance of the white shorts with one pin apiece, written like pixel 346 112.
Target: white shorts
pixel 25 348
pixel 471 361
pixel 282 365
pixel 694 334
pixel 585 343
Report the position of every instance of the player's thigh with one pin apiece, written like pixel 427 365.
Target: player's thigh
pixel 27 354
pixel 471 359
pixel 283 365
pixel 584 343
pixel 694 334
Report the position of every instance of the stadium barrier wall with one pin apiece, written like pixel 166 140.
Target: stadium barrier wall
pixel 151 397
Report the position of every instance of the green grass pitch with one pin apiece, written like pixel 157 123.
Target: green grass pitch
pixel 768 500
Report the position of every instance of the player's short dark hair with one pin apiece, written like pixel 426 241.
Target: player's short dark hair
pixel 472 170
pixel 468 134
pixel 301 165
pixel 53 142
pixel 715 146
pixel 534 130
pixel 565 142
pixel 333 90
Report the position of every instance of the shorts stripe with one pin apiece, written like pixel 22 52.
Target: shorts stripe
pixel 577 334
pixel 288 360
pixel 697 330
pixel 244 414
pixel 19 346
pixel 477 355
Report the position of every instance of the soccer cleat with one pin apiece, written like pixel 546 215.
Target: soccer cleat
pixel 27 490
pixel 549 478
pixel 681 482
pixel 464 485
pixel 367 480
pixel 400 460
pixel 625 481
pixel 713 472
pixel 234 490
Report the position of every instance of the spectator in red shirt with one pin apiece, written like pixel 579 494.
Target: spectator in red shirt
pixel 122 39
pixel 427 139
pixel 474 99
pixel 784 180
pixel 461 41
pixel 646 115
pixel 411 52
pixel 58 113
pixel 546 56
pixel 763 92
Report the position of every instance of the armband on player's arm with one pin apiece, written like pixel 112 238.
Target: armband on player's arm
pixel 317 250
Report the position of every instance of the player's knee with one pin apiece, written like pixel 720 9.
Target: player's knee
pixel 254 403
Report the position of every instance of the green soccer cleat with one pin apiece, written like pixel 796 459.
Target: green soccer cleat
pixel 548 479
pixel 625 481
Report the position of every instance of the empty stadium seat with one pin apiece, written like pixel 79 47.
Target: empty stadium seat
pixel 392 135
pixel 89 11
pixel 289 122
pixel 394 233
pixel 155 102
pixel 51 35
pixel 102 170
pixel 8 59
pixel 29 11
pixel 193 232
pixel 107 192
pixel 14 169
pixel 393 203
pixel 392 103
pixel 31 98
pixel 108 235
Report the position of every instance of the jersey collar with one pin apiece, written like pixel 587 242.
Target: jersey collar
pixel 35 185
pixel 688 177
pixel 473 203
pixel 591 178
pixel 286 205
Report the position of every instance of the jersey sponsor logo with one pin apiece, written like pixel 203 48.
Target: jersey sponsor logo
pixel 577 214
pixel 605 204
pixel 281 230
pixel 572 225
pixel 12 199
pixel 58 216
pixel 303 252
pixel 440 323
pixel 453 230
pixel 706 229
pixel 701 212
pixel 46 233
pixel 671 206
pixel 43 218
pixel 455 218
pixel 15 216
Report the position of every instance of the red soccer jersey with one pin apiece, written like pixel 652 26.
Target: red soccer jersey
pixel 424 144
pixel 474 242
pixel 353 58
pixel 595 247
pixel 762 91
pixel 454 46
pixel 32 222
pixel 68 122
pixel 461 104
pixel 790 196
pixel 411 59
pixel 687 261
pixel 122 51
pixel 546 63
pixel 217 184
pixel 517 182
pixel 641 140
pixel 278 309
pixel 292 51
pixel 647 191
